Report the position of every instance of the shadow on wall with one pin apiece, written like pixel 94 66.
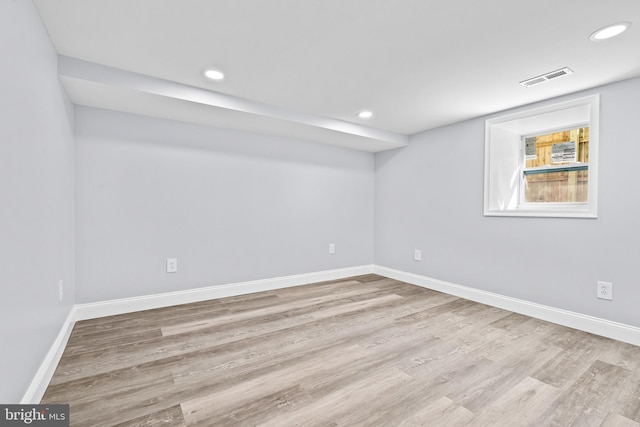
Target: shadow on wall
pixel 140 129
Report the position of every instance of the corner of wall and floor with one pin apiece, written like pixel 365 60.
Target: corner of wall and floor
pixel 603 327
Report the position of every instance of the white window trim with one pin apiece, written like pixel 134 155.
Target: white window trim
pixel 504 162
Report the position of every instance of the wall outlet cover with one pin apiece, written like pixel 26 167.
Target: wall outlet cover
pixel 605 290
pixel 172 265
pixel 60 290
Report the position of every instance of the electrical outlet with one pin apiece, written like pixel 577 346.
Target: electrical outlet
pixel 172 265
pixel 60 290
pixel 417 255
pixel 332 248
pixel 605 290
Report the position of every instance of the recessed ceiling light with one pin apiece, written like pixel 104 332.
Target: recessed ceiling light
pixel 610 31
pixel 214 74
pixel 365 114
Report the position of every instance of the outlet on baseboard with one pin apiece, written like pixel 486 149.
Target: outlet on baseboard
pixel 417 255
pixel 172 265
pixel 605 290
pixel 332 248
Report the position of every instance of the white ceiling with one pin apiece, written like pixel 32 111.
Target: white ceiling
pixel 305 68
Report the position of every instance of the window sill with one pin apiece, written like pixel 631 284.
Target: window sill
pixel 564 211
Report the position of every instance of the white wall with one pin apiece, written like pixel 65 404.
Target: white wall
pixel 231 206
pixel 429 197
pixel 36 198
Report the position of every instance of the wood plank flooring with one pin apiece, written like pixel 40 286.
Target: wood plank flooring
pixel 364 351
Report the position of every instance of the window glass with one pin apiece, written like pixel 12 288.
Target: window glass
pixel 557 167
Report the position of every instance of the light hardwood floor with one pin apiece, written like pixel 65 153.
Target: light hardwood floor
pixel 365 351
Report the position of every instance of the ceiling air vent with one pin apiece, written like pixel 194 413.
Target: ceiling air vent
pixel 546 77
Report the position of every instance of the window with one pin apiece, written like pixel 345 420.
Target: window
pixel 543 162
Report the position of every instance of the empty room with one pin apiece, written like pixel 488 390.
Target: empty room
pixel 319 213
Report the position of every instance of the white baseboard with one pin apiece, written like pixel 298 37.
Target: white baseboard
pixel 36 390
pixel 594 325
pixel 147 302
pixel 78 312
pixel 48 366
